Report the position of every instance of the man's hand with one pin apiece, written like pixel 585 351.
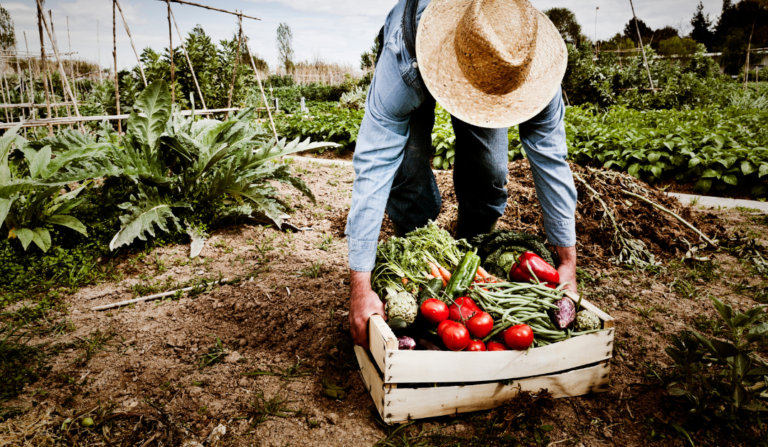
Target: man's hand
pixel 363 303
pixel 567 268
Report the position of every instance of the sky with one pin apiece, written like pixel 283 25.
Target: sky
pixel 331 30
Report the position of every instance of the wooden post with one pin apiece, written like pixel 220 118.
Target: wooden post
pixel 261 87
pixel 61 69
pixel 212 8
pixel 114 54
pixel 170 51
pixel 749 48
pixel 40 17
pixel 237 61
pixel 127 30
pixel 640 39
pixel 189 62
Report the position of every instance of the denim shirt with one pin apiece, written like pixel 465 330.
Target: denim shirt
pixel 397 90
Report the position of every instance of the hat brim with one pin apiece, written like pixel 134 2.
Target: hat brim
pixel 443 76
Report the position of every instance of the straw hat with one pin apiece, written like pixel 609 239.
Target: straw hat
pixel 491 63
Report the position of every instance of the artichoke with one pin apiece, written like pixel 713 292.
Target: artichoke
pixel 587 321
pixel 401 305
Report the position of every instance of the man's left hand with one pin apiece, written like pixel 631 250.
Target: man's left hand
pixel 567 268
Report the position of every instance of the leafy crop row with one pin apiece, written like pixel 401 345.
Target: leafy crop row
pixel 335 125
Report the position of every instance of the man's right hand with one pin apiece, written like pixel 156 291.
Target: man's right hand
pixel 363 303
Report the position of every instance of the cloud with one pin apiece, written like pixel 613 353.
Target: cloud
pixel 17 7
pixel 337 7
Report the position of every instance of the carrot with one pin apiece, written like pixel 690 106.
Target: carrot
pixel 445 274
pixel 481 271
pixel 445 282
pixel 405 281
pixel 435 271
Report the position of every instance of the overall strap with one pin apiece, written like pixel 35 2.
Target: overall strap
pixel 409 26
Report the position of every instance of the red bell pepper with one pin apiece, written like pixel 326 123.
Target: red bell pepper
pixel 544 272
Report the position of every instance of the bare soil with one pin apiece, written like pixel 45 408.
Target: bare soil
pixel 283 325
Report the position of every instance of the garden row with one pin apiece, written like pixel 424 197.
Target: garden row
pixel 710 147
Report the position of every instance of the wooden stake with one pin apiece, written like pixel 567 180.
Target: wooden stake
pixel 21 76
pixel 170 51
pixel 640 39
pixel 749 47
pixel 40 18
pixel 61 68
pixel 237 61
pixel 212 9
pixel 114 54
pixel 127 30
pixel 189 62
pixel 261 87
pixel 2 92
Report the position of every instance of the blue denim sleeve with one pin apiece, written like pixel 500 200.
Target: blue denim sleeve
pixel 543 138
pixel 378 153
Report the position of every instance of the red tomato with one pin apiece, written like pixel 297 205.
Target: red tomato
pixel 519 337
pixel 496 346
pixel 444 324
pixel 455 337
pixel 434 310
pixel 468 309
pixel 476 345
pixel 480 325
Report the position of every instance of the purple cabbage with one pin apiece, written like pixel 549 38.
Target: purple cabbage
pixel 565 313
pixel 405 342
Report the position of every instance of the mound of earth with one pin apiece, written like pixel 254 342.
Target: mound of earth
pixel 663 235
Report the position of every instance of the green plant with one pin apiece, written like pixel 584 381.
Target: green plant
pixel 177 163
pixel 315 270
pixel 721 379
pixel 275 406
pixel 32 198
pixel 339 126
pixel 326 243
pixel 215 354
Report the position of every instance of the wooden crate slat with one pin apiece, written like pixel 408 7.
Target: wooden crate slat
pixel 371 378
pixel 381 339
pixel 447 366
pixel 416 403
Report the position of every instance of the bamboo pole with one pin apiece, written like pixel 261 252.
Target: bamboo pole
pixel 261 87
pixel 32 111
pixel 40 17
pixel 56 40
pixel 2 92
pixel 237 61
pixel 114 54
pixel 98 49
pixel 152 297
pixel 61 68
pixel 640 39
pixel 213 9
pixel 127 30
pixel 189 62
pixel 170 51
pixel 21 78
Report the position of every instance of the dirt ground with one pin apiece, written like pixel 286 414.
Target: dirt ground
pixel 281 320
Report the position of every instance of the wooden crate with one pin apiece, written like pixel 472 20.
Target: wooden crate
pixel 401 383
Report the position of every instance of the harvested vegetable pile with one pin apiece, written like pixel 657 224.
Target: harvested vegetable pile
pixel 437 293
pixel 652 234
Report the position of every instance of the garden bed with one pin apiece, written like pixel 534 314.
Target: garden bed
pixel 284 330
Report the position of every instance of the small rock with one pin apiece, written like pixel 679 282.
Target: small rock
pixel 217 434
pixel 626 282
pixel 233 357
pixel 333 418
pixel 243 382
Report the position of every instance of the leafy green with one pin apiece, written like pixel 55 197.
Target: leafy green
pixel 407 257
pixel 499 247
